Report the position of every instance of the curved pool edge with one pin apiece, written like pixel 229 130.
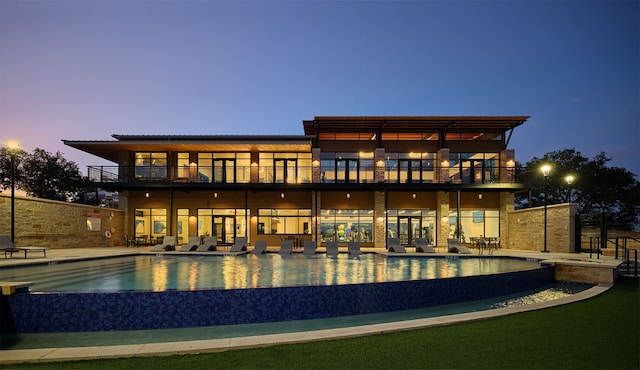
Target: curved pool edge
pixel 258 341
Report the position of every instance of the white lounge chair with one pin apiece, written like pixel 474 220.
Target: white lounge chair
pixel 286 247
pixel 239 245
pixel 209 244
pixel 455 247
pixel 393 245
pixel 310 247
pixel 7 246
pixel 260 247
pixel 168 244
pixel 354 248
pixel 191 245
pixel 332 248
pixel 423 246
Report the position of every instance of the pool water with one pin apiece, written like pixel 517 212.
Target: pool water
pixel 80 339
pixel 170 272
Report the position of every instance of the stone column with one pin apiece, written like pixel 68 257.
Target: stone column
pixel 379 165
pixel 315 163
pixel 379 219
pixel 442 215
pixel 442 163
pixel 507 201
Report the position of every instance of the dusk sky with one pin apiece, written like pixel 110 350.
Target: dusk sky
pixel 84 70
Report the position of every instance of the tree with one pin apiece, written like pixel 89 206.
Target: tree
pixel 44 175
pixel 596 187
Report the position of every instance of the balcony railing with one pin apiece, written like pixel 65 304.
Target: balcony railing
pixel 298 175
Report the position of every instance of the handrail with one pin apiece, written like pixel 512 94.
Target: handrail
pixel 626 252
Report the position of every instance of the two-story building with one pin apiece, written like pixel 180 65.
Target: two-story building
pixel 346 179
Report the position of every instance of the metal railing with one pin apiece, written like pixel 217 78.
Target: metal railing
pixel 297 175
pixel 624 253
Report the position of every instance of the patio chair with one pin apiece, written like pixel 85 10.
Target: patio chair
pixel 423 246
pixel 191 245
pixel 455 247
pixel 354 248
pixel 239 245
pixel 286 246
pixel 209 244
pixel 310 247
pixel 332 248
pixel 7 246
pixel 393 245
pixel 168 244
pixel 260 247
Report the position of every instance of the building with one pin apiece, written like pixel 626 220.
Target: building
pixel 346 178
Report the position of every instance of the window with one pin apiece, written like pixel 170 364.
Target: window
pixel 284 221
pixel 411 224
pixel 183 225
pixel 183 166
pixel 474 168
pixel 474 224
pixel 347 167
pixel 290 168
pixel 345 225
pixel 150 165
pixel 409 167
pixel 224 224
pixel 150 223
pixel 224 168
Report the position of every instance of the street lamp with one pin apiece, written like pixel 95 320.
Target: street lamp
pixel 569 179
pixel 545 172
pixel 13 148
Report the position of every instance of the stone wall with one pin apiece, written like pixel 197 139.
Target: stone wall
pixel 526 228
pixel 54 224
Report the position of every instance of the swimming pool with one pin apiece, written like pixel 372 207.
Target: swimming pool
pixel 258 298
pixel 170 272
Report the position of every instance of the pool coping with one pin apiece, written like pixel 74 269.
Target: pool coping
pixel 258 341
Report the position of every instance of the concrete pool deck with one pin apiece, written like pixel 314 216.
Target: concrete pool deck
pixel 218 345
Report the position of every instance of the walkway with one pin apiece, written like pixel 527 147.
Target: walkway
pixel 217 345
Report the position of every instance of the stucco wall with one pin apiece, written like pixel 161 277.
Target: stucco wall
pixel 526 228
pixel 53 224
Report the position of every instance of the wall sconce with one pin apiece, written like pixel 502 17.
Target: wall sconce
pixel 445 164
pixel 146 195
pixel 282 195
pixel 380 163
pixel 215 194
pixel 480 196
pixel 413 195
pixel 348 195
pixel 316 163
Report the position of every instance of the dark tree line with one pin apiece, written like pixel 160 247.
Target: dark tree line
pixel 596 187
pixel 44 175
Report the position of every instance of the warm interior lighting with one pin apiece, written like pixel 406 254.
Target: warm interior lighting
pixel 215 194
pixel 413 195
pixel 348 195
pixel 146 195
pixel 282 195
pixel 480 196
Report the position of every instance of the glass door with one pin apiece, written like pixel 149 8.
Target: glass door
pixel 224 229
pixel 286 171
pixel 409 228
pixel 224 170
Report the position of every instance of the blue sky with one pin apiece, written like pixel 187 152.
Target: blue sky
pixel 83 70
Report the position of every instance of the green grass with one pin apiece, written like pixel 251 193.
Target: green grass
pixel 598 333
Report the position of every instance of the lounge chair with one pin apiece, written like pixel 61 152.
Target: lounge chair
pixel 7 246
pixel 310 247
pixel 332 248
pixel 209 244
pixel 168 244
pixel 191 245
pixel 286 247
pixel 393 245
pixel 260 247
pixel 455 247
pixel 423 246
pixel 239 245
pixel 354 248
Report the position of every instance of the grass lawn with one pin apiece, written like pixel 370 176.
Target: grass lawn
pixel 598 333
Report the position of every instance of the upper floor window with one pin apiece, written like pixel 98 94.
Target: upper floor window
pixel 470 168
pixel 464 136
pixel 409 167
pixel 347 136
pixel 290 168
pixel 347 167
pixel 410 136
pixel 224 168
pixel 151 165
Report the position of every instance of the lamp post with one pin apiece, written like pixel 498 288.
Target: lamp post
pixel 13 148
pixel 569 179
pixel 545 172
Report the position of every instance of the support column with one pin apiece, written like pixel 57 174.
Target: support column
pixel 379 159
pixel 379 213
pixel 316 175
pixel 442 161
pixel 442 214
